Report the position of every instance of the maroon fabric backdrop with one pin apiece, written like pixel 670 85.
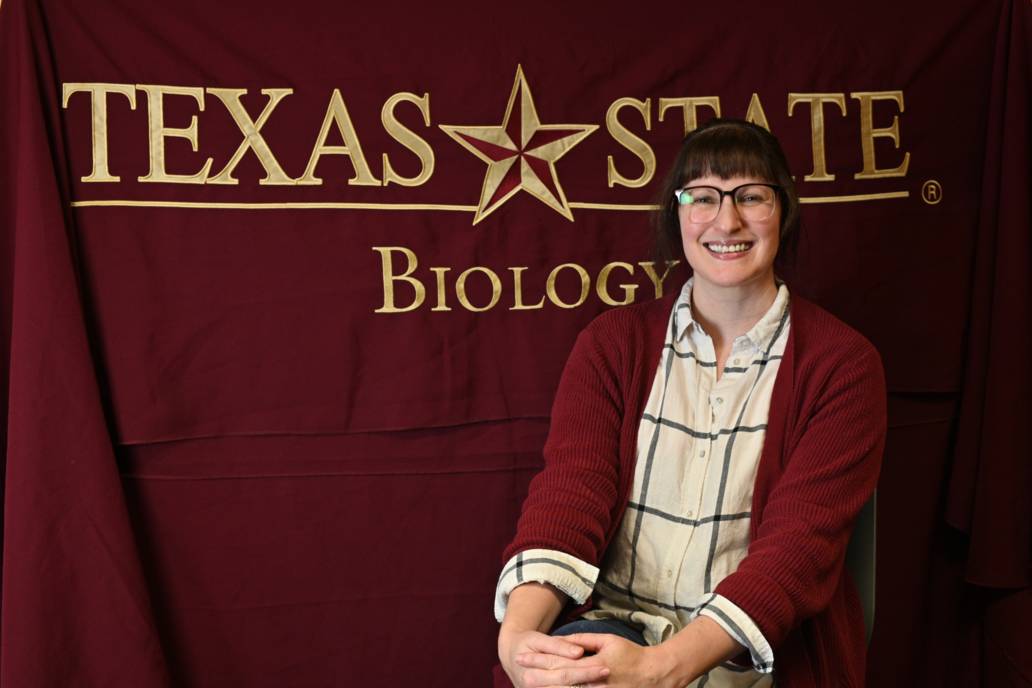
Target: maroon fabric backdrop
pixel 270 417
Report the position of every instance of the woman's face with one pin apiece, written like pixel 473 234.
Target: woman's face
pixel 730 250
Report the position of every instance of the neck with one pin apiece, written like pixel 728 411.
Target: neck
pixel 729 312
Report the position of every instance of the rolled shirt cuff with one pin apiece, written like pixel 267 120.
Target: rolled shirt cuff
pixel 567 573
pixel 739 626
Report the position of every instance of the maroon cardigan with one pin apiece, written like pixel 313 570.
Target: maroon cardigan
pixel 820 462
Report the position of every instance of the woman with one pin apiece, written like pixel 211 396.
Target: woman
pixel 708 455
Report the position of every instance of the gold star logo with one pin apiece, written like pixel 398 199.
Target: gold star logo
pixel 520 153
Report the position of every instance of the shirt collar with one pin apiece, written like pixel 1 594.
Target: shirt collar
pixel 759 336
pixel 763 332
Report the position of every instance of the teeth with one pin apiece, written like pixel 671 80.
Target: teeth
pixel 727 248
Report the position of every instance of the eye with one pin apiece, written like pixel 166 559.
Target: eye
pixel 705 197
pixel 754 195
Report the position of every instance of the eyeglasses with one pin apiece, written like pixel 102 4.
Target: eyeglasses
pixel 754 202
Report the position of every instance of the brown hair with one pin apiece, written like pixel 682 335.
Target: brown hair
pixel 726 148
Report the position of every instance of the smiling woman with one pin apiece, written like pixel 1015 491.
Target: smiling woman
pixel 707 458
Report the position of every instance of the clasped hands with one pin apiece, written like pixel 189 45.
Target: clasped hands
pixel 588 660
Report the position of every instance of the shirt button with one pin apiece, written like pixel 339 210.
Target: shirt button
pixel 737 361
pixel 669 573
pixel 690 514
pixel 720 400
pixel 702 453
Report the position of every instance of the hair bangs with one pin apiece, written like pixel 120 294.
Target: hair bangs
pixel 726 152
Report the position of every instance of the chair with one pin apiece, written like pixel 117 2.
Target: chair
pixel 860 559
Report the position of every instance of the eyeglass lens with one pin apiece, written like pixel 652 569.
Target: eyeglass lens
pixel 753 202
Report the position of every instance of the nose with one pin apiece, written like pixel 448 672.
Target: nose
pixel 727 219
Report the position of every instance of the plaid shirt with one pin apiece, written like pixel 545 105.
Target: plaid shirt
pixel 687 521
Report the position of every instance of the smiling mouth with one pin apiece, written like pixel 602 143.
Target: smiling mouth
pixel 725 249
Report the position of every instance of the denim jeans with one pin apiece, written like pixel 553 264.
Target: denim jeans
pixel 602 626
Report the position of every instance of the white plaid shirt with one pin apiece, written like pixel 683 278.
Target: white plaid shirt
pixel 687 521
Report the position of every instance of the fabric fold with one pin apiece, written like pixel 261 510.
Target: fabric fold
pixel 73 586
pixel 991 478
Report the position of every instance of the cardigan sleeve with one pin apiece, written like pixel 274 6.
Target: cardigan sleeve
pixel 570 503
pixel 833 458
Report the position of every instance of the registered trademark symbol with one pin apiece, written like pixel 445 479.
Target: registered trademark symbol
pixel 931 192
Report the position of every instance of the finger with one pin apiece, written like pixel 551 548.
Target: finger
pixel 567 676
pixel 540 660
pixel 554 645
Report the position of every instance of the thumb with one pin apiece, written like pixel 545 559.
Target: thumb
pixel 592 642
pixel 554 645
